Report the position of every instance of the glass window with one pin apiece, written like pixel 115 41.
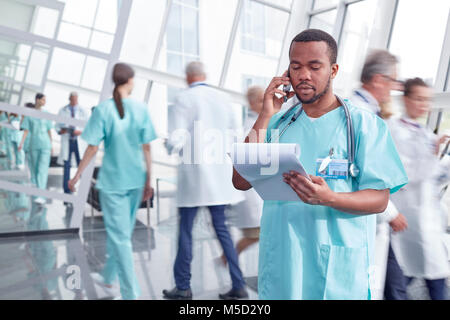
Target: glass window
pixel 74 34
pixel 13 59
pixel 38 20
pixel 80 12
pixel 253 35
pixel 90 23
pixel 357 30
pixel 94 73
pixel 36 66
pixel 101 41
pixel 66 66
pixel 282 3
pixel 319 4
pixel 45 22
pixel 15 14
pixel 264 63
pixel 323 21
pixel 181 39
pixel 140 87
pixel 107 16
pixel 419 47
pixel 142 32
pixel 213 39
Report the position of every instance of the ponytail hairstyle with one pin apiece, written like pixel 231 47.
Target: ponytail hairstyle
pixel 121 74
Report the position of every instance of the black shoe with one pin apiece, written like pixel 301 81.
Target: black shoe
pixel 176 294
pixel 234 294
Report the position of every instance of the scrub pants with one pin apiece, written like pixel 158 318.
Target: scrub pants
pixel 40 163
pixel 73 149
pixel 119 214
pixel 182 268
pixel 396 282
pixel 19 155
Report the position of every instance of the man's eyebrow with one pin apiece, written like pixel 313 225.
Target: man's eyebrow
pixel 309 62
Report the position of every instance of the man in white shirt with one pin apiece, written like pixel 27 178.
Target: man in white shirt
pixel 198 123
pixel 378 78
pixel 70 145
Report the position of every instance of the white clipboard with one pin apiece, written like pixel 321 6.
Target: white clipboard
pixel 263 166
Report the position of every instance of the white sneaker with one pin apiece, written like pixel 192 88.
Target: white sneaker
pixel 110 290
pixel 40 200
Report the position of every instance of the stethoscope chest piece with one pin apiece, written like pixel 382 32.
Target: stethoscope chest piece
pixel 353 170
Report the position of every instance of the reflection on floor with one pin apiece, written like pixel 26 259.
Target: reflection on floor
pixel 53 268
pixel 61 267
pixel 19 212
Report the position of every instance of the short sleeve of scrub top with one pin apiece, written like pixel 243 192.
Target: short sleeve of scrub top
pixel 49 125
pixel 148 132
pixel 377 157
pixel 94 132
pixel 25 124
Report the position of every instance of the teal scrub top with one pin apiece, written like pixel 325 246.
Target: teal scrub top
pixel 316 252
pixel 3 118
pixel 123 166
pixel 15 135
pixel 37 133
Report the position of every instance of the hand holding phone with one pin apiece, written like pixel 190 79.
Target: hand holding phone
pixel 287 88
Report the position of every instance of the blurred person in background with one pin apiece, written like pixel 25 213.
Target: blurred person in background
pixel 419 251
pixel 71 146
pixel 197 112
pixel 378 78
pixel 15 137
pixel 40 146
pixel 123 181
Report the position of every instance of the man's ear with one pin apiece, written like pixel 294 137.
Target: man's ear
pixel 334 70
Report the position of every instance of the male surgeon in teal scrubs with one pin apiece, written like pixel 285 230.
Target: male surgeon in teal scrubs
pixel 322 246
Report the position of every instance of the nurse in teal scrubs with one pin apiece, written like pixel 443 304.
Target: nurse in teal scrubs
pixel 40 145
pixel 124 180
pixel 3 135
pixel 15 137
pixel 322 246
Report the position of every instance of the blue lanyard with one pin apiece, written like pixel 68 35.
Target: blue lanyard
pixel 198 85
pixel 362 96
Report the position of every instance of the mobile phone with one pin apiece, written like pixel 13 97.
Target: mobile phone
pixel 287 88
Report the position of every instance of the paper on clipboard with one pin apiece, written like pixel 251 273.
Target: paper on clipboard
pixel 263 166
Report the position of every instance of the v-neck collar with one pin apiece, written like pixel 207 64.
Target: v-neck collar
pixel 321 118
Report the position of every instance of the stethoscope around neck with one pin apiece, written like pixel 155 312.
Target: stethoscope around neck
pixel 352 169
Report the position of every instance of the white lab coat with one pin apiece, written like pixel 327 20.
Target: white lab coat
pixel 420 250
pixel 198 125
pixel 363 99
pixel 80 114
pixel 247 214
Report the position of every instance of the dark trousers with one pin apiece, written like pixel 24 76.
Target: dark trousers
pixel 396 282
pixel 73 149
pixel 182 267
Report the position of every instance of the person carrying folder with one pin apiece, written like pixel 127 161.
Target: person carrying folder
pixel 321 246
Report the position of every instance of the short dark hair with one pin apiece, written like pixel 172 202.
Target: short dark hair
pixel 411 83
pixel 39 96
pixel 29 105
pixel 318 35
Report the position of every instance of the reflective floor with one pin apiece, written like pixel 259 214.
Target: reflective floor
pixel 61 267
